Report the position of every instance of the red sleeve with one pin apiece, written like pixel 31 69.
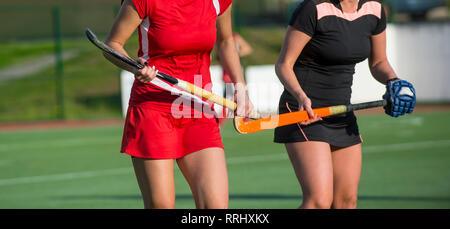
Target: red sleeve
pixel 224 4
pixel 141 7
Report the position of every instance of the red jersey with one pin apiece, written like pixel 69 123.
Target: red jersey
pixel 176 37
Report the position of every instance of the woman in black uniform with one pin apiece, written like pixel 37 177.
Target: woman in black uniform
pixel 324 41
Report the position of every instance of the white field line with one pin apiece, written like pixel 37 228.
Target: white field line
pixel 34 145
pixel 230 161
pixel 406 146
pixel 64 176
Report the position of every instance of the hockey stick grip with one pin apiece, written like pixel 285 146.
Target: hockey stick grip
pixel 360 106
pixel 167 78
pixel 333 110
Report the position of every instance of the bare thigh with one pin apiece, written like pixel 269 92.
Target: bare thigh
pixel 346 175
pixel 313 167
pixel 206 173
pixel 156 182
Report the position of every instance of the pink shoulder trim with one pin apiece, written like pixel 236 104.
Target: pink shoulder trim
pixel 368 8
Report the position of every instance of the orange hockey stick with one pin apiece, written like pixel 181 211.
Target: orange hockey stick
pixel 245 126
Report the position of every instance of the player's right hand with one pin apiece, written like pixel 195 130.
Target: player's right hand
pixel 244 106
pixel 400 96
pixel 305 104
pixel 146 74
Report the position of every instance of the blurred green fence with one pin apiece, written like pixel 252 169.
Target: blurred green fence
pixel 262 12
pixel 34 21
pixel 21 22
pixel 49 70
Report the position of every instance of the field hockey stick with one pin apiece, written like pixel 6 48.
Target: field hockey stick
pixel 247 127
pixel 186 86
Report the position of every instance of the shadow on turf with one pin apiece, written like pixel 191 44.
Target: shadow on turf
pixel 264 197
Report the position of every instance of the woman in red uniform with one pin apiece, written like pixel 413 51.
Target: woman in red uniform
pixel 324 41
pixel 176 37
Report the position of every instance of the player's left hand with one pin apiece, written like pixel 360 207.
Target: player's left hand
pixel 400 96
pixel 244 106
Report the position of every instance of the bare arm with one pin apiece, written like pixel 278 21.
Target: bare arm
pixel 226 48
pixel 229 58
pixel 378 63
pixel 244 47
pixel 400 94
pixel 293 45
pixel 125 24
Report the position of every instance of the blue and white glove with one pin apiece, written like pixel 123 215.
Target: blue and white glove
pixel 400 96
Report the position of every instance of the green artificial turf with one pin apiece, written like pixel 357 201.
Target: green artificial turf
pixel 405 165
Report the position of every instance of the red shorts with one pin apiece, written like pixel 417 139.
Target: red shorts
pixel 158 135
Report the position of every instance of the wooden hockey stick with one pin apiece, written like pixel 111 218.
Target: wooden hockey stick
pixel 186 86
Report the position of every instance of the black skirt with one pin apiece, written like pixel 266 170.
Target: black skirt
pixel 339 130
